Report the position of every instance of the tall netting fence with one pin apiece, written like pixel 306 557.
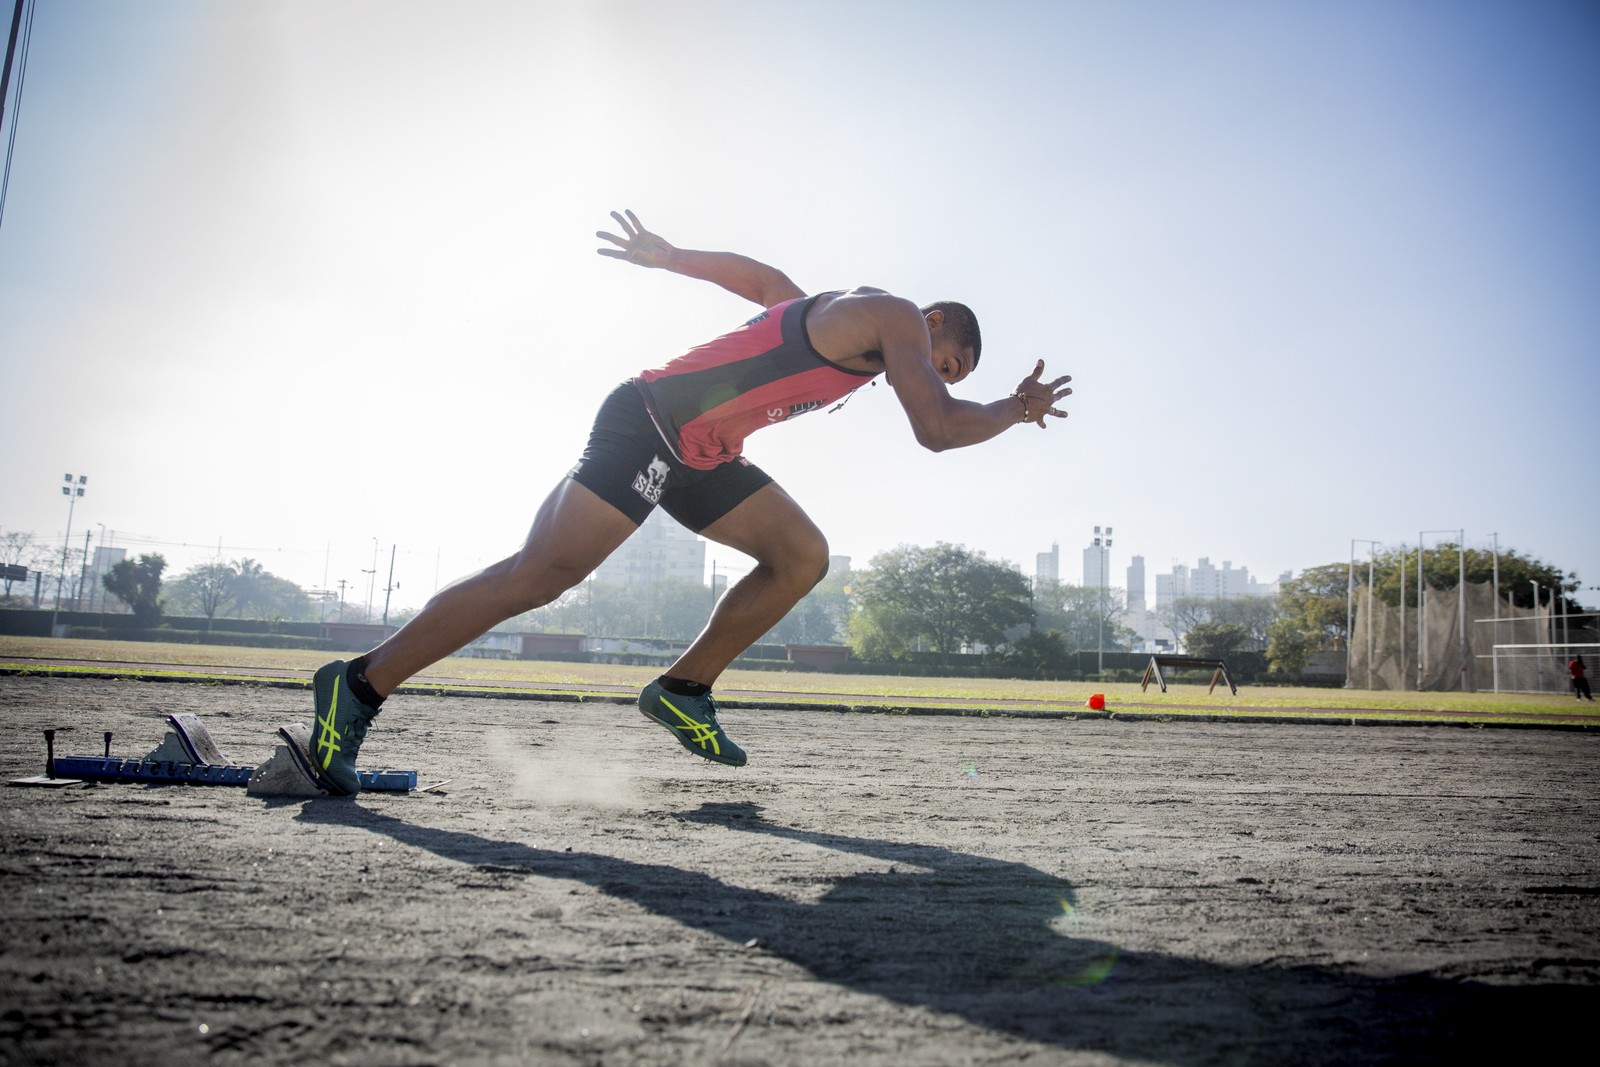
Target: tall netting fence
pixel 1531 654
pixel 1506 649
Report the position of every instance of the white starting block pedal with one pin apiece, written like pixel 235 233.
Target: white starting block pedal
pixel 187 754
pixel 188 741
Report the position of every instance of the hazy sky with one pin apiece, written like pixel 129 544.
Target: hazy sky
pixel 305 280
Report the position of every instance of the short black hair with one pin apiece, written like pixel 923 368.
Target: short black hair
pixel 960 319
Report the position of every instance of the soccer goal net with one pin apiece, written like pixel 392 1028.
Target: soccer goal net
pixel 1531 655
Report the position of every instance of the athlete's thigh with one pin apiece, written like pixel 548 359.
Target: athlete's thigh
pixel 606 494
pixel 574 531
pixel 770 526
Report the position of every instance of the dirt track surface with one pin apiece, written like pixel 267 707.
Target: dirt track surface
pixel 871 889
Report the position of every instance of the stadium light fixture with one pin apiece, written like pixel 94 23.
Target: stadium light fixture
pixel 72 490
pixel 1103 543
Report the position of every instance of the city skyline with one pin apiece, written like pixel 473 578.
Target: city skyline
pixel 1320 273
pixel 659 549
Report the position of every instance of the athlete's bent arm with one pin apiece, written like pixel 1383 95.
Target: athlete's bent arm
pixel 939 420
pixel 738 274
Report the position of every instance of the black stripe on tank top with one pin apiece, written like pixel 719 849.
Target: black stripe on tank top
pixel 685 397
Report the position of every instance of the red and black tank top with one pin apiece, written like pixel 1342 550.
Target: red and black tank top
pixel 708 400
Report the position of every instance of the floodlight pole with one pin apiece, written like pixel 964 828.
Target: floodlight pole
pixel 389 587
pixel 99 575
pixel 83 570
pixel 372 577
pixel 72 490
pixel 1105 563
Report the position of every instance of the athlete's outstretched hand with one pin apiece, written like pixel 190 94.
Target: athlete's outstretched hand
pixel 1039 399
pixel 639 246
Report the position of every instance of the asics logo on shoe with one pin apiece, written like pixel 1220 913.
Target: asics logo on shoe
pixel 327 736
pixel 699 732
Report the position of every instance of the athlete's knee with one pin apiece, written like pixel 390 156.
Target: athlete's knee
pixel 533 583
pixel 827 564
pixel 807 556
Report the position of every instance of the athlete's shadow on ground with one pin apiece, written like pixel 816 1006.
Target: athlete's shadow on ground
pixel 992 941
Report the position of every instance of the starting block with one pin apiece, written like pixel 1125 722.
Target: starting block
pixel 1219 671
pixel 290 772
pixel 188 754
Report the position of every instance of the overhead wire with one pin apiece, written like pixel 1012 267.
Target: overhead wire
pixel 16 101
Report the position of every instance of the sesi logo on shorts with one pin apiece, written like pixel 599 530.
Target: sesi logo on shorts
pixel 649 482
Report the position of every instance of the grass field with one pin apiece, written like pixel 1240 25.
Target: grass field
pixel 877 692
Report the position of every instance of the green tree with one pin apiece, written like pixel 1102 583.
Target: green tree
pixel 1442 565
pixel 16 549
pixel 673 610
pixel 137 583
pixel 1084 615
pixel 948 594
pixel 205 588
pixel 1034 654
pixel 1215 640
pixel 1312 617
pixel 1252 614
pixel 821 617
pixel 279 598
pixel 248 584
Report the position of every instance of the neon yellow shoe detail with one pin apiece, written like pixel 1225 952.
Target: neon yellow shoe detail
pixel 693 721
pixel 338 728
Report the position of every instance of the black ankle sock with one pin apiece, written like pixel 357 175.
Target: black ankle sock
pixel 682 687
pixel 355 676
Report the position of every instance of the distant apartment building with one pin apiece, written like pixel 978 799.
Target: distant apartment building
pixel 1047 565
pixel 1096 566
pixel 1135 586
pixel 659 550
pixel 1210 582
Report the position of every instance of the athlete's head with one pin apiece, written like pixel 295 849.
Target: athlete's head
pixel 957 343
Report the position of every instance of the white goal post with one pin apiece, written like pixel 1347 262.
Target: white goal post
pixel 1539 668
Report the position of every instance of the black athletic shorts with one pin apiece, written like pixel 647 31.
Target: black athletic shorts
pixel 629 467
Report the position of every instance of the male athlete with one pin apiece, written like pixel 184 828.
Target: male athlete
pixel 674 437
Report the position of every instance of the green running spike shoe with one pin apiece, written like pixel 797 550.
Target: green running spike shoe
pixel 693 721
pixel 338 729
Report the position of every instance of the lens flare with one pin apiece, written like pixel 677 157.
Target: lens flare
pixel 1095 970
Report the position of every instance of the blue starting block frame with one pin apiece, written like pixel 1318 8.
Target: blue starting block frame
pixel 199 762
pixel 104 769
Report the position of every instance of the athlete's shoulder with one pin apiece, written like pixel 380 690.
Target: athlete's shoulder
pixel 866 300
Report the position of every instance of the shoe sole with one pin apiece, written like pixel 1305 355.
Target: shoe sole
pixel 297 737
